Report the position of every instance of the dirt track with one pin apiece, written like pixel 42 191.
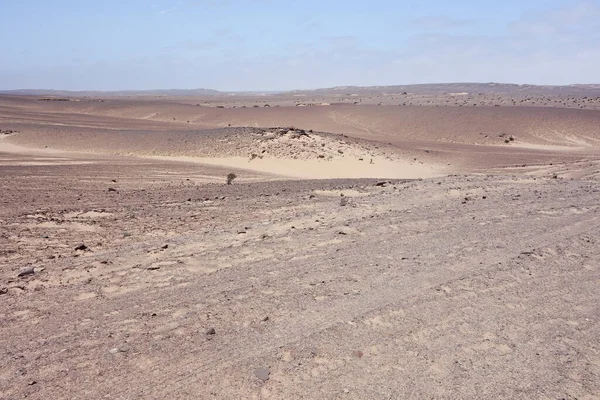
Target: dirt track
pixel 468 286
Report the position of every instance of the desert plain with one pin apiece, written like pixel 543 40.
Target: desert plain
pixel 435 241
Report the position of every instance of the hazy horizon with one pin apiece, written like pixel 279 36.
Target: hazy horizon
pixel 208 89
pixel 264 45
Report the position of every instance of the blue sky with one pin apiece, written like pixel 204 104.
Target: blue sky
pixel 294 44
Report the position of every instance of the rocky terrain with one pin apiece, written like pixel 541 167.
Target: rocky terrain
pixel 404 255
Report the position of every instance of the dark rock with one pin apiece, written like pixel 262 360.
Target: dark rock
pixel 27 272
pixel 211 331
pixel 164 247
pixel 81 247
pixel 110 189
pixel 382 183
pixel 262 374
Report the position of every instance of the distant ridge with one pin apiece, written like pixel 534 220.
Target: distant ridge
pixel 442 88
pixel 428 88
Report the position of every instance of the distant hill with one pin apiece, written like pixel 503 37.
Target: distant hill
pixel 441 88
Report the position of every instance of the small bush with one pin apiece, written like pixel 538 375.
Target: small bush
pixel 230 177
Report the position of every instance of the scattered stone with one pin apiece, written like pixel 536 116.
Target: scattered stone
pixel 116 350
pixel 265 319
pixel 382 184
pixel 346 230
pixel 164 247
pixel 211 331
pixel 262 374
pixel 3 290
pixel 358 354
pixel 153 267
pixel 111 189
pixel 81 247
pixel 31 383
pixel 26 272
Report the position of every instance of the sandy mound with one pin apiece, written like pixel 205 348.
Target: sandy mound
pixel 287 152
pixel 364 140
pixel 572 128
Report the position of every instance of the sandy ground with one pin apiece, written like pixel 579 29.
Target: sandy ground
pixel 129 269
